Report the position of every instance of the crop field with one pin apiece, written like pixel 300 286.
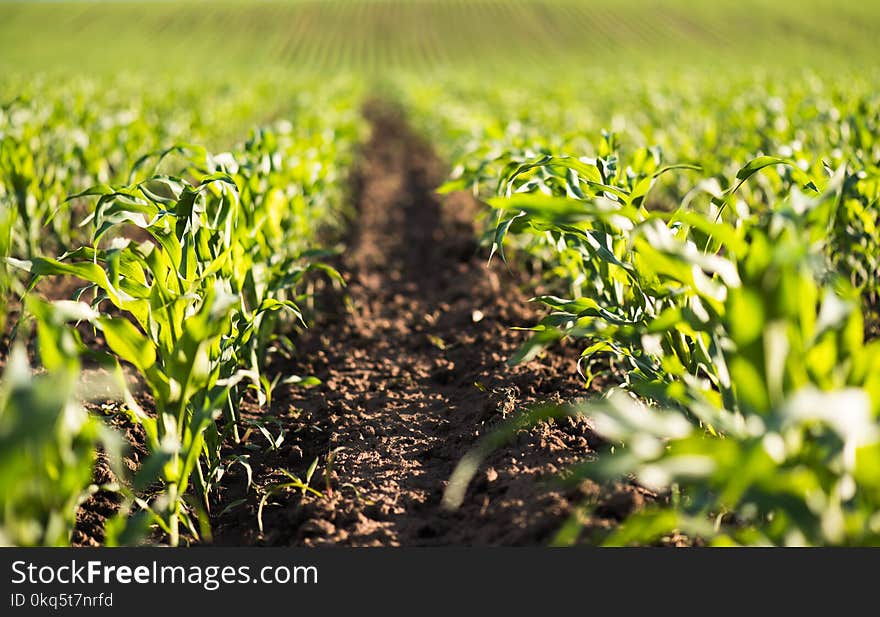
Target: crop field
pixel 439 272
pixel 380 35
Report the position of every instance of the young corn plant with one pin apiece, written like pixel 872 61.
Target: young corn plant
pixel 48 441
pixel 749 338
pixel 171 319
pixel 795 460
pixel 200 300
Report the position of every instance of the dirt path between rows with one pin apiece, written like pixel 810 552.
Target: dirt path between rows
pixel 413 371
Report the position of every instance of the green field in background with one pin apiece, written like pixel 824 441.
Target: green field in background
pixel 375 35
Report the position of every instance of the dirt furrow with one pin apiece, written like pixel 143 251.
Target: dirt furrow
pixel 413 371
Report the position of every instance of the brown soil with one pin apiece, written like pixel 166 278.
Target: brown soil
pixel 94 512
pixel 413 371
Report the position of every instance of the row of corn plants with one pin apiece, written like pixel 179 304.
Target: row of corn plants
pixel 812 120
pixel 196 269
pixel 58 135
pixel 727 300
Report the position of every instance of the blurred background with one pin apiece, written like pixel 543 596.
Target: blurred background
pixel 380 35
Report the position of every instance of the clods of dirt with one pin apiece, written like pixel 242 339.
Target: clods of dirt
pixel 413 370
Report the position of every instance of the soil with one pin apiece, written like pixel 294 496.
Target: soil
pixel 413 370
pixel 100 506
